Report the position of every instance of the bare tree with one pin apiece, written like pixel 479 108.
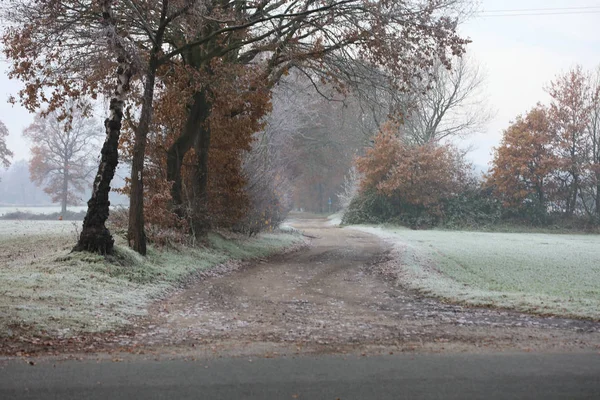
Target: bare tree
pixel 63 154
pixel 450 104
pixel 5 153
pixel 349 188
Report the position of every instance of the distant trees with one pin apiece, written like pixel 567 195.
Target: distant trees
pixel 5 153
pixel 548 160
pixel 63 153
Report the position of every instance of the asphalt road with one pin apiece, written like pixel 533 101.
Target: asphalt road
pixel 450 376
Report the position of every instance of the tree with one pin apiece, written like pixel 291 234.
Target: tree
pixel 449 104
pixel 402 37
pixel 95 237
pixel 62 154
pixel 415 180
pixel 5 154
pixel 524 163
pixel 570 111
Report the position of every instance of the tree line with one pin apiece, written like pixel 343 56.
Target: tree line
pixel 545 171
pixel 188 85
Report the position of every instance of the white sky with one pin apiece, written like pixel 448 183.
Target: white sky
pixel 520 54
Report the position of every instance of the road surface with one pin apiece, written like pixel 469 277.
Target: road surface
pixel 455 376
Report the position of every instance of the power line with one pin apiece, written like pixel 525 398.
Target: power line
pixel 541 9
pixel 539 14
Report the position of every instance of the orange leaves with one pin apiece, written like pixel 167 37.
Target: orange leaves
pixel 549 158
pixel 524 161
pixel 238 100
pixel 420 176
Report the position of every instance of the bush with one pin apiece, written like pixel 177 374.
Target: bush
pixel 369 207
pixel 409 185
pixel 372 207
pixel 473 208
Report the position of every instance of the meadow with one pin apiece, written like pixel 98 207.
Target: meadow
pixel 554 274
pixel 38 209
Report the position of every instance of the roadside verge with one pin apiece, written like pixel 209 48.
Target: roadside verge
pixel 46 291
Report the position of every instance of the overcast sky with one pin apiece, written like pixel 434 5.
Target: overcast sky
pixel 523 53
pixel 520 54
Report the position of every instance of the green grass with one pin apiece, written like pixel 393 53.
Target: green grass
pixel 535 272
pixel 46 289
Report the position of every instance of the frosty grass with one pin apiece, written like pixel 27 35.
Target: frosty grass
pixel 45 288
pixel 541 273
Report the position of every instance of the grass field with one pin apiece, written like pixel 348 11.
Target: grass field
pixel 45 288
pixel 542 273
pixel 38 209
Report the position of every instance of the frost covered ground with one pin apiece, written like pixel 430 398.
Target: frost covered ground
pixel 542 273
pixel 46 289
pixel 38 209
pixel 10 229
pixel 334 219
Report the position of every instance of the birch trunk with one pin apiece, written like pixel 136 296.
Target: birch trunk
pixel 95 237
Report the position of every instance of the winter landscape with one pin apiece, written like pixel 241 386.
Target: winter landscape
pixel 299 199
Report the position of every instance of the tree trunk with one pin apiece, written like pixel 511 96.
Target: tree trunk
pixel 135 233
pixel 65 190
pixel 95 237
pixel 200 221
pixel 574 194
pixel 597 199
pixel 197 115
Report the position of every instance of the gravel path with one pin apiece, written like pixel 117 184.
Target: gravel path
pixel 340 295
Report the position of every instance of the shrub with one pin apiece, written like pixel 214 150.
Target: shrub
pixel 408 184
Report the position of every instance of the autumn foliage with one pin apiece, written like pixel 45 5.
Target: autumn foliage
pixel 410 183
pixel 523 164
pixel 547 166
pixel 239 101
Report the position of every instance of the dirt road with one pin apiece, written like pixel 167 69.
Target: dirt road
pixel 334 297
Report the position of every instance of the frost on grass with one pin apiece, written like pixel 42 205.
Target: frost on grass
pixel 541 273
pixel 24 228
pixel 335 219
pixel 45 288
